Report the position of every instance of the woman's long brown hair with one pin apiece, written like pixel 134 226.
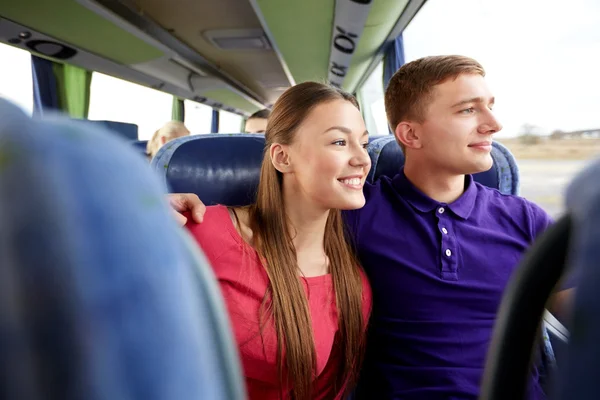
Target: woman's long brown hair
pixel 286 301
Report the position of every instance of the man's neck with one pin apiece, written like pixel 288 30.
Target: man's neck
pixel 437 184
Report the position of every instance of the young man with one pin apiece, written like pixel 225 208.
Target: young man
pixel 257 122
pixel 438 247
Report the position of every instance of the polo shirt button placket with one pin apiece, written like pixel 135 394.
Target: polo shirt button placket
pixel 447 262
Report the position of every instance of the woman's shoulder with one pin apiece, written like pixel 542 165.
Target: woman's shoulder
pixel 215 219
pixel 216 233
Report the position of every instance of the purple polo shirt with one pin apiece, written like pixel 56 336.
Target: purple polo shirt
pixel 438 272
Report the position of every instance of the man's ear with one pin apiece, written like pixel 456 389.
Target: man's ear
pixel 406 132
pixel 280 157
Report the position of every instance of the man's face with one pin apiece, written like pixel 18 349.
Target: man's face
pixel 456 133
pixel 256 125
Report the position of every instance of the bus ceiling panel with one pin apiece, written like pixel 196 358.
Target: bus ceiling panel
pixel 128 15
pixel 330 39
pixel 301 30
pixel 381 20
pixel 231 99
pixel 271 38
pixel 171 71
pixel 68 21
pixel 30 40
pixel 228 34
pixel 408 13
pixel 143 74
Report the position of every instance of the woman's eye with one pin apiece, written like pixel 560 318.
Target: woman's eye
pixel 339 143
pixel 365 145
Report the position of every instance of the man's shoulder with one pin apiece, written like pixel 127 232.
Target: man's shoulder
pixel 517 208
pixel 494 196
pixel 378 189
pixel 376 194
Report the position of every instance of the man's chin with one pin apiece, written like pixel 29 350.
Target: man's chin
pixel 480 167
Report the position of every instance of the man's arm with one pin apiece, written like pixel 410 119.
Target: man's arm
pixel 187 203
pixel 561 303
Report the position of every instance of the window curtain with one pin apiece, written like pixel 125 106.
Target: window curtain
pixel 73 87
pixel 60 87
pixel 215 121
pixel 393 59
pixel 178 110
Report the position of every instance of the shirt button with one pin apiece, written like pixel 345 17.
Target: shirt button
pixel 441 210
pixel 448 252
pixel 445 231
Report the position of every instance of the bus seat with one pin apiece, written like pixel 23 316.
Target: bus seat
pixel 372 138
pixel 579 379
pixel 219 168
pixel 140 146
pixel 123 129
pixel 386 158
pixel 102 295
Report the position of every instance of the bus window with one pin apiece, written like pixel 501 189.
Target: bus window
pixel 229 122
pixel 198 117
pixel 371 96
pixel 16 82
pixel 113 99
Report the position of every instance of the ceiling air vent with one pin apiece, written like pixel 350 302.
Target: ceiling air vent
pixel 238 39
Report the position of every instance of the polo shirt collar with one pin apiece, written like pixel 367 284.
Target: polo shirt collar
pixel 462 207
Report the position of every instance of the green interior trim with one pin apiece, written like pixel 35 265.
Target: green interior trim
pixel 73 86
pixel 302 30
pixel 382 18
pixel 177 110
pixel 72 23
pixel 232 99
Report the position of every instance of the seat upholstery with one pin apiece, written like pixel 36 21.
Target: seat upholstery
pixel 579 379
pixel 124 130
pixel 102 295
pixel 140 146
pixel 219 168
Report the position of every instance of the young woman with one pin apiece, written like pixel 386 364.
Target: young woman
pixel 297 298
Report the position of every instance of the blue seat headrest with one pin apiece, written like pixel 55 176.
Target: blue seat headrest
pixel 102 295
pixel 219 168
pixel 140 146
pixel 123 129
pixel 387 158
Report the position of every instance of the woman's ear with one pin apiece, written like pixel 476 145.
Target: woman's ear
pixel 280 158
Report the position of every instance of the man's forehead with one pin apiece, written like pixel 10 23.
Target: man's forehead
pixel 465 86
